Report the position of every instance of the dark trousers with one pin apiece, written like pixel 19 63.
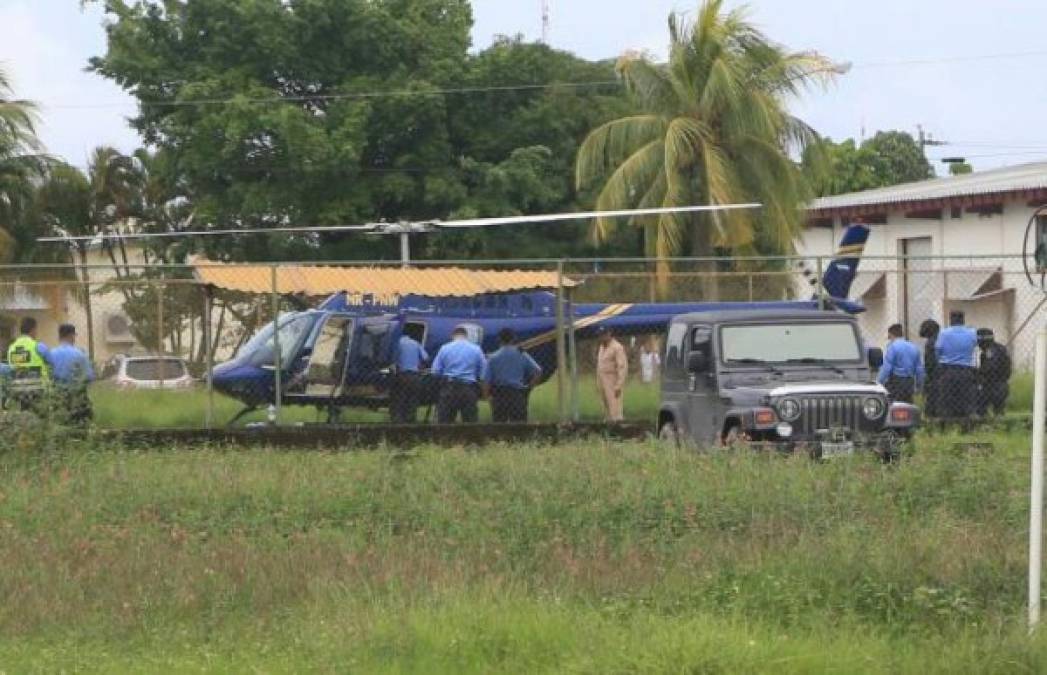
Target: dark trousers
pixel 457 398
pixel 404 395
pixel 957 392
pixel 993 396
pixel 931 396
pixel 509 404
pixel 901 388
pixel 74 404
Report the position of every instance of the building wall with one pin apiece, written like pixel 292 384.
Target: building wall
pixel 970 244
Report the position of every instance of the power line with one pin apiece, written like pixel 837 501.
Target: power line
pixel 1007 154
pixel 363 95
pixel 930 61
pixel 343 97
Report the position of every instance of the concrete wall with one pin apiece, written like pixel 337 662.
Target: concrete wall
pixel 971 244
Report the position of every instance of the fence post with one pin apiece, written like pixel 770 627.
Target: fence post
pixel 277 356
pixel 160 289
pixel 820 288
pixel 572 357
pixel 1036 492
pixel 750 286
pixel 561 347
pixel 208 358
pixel 945 296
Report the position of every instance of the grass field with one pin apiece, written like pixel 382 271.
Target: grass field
pixel 117 409
pixel 145 408
pixel 593 557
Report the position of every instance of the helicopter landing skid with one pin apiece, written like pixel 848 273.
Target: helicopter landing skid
pixel 246 411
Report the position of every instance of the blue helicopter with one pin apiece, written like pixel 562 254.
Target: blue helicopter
pixel 340 355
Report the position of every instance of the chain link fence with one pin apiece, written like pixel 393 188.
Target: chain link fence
pixel 170 347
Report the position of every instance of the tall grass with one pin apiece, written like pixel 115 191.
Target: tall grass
pixel 595 557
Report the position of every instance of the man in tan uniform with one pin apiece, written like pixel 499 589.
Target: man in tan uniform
pixel 612 366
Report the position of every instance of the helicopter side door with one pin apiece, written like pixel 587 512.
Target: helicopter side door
pixel 326 357
pixel 371 356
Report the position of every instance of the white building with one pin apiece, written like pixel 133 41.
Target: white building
pixel 944 244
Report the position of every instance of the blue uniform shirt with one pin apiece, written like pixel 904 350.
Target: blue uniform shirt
pixel 902 359
pixel 510 366
pixel 956 345
pixel 410 355
pixel 461 361
pixel 69 365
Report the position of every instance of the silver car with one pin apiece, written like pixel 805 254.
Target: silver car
pixel 148 372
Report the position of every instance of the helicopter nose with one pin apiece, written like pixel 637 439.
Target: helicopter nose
pixel 243 382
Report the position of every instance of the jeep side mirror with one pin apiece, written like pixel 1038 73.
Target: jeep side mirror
pixel 697 362
pixel 875 357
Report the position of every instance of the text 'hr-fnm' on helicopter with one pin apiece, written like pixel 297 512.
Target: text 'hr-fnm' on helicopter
pixel 340 354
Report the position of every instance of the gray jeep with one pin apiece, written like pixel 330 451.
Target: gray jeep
pixel 796 378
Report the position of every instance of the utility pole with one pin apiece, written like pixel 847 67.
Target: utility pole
pixel 925 139
pixel 545 22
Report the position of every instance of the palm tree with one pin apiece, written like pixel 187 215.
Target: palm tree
pixel 713 129
pixel 21 162
pixel 64 203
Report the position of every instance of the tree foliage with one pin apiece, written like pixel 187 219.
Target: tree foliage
pixel 712 128
pixel 322 112
pixel 888 158
pixel 21 163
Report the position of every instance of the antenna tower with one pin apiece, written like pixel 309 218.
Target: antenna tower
pixel 545 21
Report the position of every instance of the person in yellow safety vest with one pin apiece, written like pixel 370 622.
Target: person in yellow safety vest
pixel 30 361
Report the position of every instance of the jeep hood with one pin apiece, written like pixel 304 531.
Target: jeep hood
pixel 825 388
pixel 753 395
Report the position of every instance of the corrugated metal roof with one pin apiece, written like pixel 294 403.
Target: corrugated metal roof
pixel 1018 178
pixel 382 282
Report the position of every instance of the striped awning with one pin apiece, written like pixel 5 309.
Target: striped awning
pixel 384 282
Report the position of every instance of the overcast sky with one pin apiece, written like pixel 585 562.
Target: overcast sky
pixel 992 107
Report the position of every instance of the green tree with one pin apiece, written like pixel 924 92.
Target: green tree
pixel 255 103
pixel 713 129
pixel 254 107
pixel 70 202
pixel 888 158
pixel 21 164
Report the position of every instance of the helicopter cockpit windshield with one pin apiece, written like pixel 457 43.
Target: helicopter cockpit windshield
pixel 293 330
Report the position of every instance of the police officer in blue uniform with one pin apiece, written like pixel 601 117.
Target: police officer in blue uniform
pixel 463 368
pixel 958 385
pixel 902 370
pixel 511 372
pixel 406 386
pixel 71 372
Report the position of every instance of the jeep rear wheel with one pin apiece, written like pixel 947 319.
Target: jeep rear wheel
pixel 669 434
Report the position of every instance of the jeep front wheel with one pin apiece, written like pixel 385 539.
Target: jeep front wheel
pixel 734 437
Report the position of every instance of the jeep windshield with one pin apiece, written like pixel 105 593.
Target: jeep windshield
pixel 807 343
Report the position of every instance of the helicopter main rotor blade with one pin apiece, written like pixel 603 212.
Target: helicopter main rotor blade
pixel 210 233
pixel 555 217
pixel 407 228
